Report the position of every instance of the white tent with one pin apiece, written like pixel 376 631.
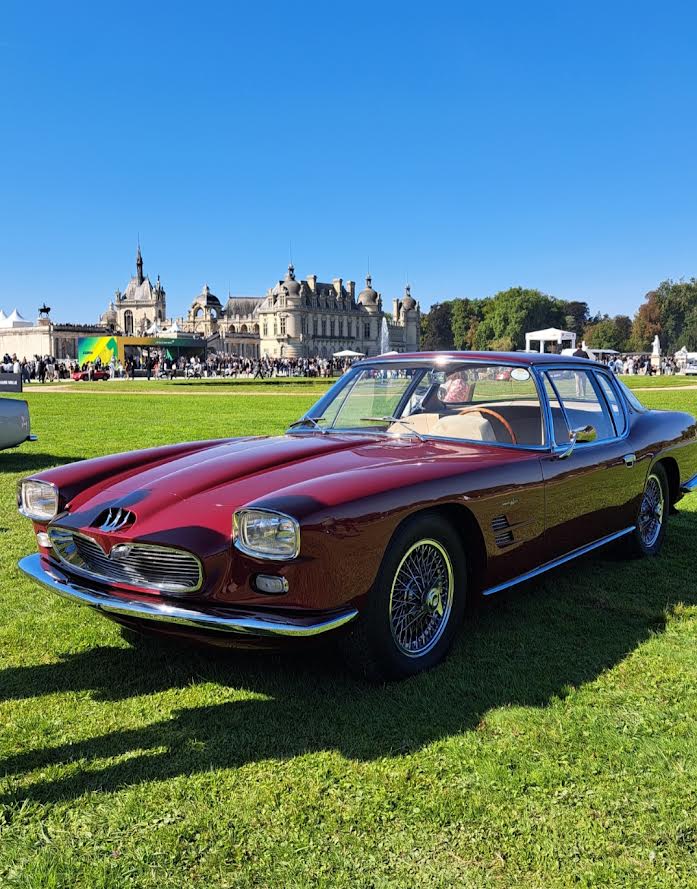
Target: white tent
pixel 349 353
pixel 14 319
pixel 549 335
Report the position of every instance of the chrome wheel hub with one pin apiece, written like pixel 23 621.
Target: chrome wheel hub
pixel 421 597
pixel 651 511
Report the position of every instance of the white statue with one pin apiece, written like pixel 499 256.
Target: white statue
pixel 656 346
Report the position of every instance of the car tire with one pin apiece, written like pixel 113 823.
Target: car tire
pixel 652 516
pixel 416 605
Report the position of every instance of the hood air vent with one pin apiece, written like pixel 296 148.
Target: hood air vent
pixel 113 519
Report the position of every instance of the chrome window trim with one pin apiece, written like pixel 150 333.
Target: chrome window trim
pixel 559 448
pixel 610 379
pixel 160 587
pixel 264 557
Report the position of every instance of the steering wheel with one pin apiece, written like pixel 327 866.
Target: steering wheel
pixel 487 410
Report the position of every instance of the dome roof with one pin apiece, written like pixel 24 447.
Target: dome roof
pixel 291 286
pixel 368 297
pixel 207 299
pixel 110 314
pixel 408 302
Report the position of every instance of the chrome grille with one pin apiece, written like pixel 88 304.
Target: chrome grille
pixel 138 564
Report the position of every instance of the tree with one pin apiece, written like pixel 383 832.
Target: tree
pixel 609 333
pixel 510 314
pixel 646 325
pixel 576 316
pixel 669 311
pixel 436 328
pixel 465 316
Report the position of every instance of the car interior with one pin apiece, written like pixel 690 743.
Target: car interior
pixel 509 421
pixel 515 421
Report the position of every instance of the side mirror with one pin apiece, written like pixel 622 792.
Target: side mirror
pixel 582 434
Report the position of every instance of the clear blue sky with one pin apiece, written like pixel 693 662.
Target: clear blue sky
pixel 470 146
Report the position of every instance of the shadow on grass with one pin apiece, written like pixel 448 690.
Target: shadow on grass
pixel 524 649
pixel 23 460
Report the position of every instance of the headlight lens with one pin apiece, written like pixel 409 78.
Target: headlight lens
pixel 38 500
pixel 266 534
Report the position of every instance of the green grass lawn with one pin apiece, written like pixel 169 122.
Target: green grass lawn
pixel 556 747
pixel 635 381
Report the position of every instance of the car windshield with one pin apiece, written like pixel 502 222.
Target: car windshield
pixel 496 403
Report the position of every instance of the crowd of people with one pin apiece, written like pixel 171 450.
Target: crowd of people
pixel 640 364
pixel 46 369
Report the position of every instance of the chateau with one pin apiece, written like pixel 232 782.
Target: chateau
pixel 296 318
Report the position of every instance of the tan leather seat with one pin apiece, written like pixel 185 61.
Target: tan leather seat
pixel 421 423
pixel 473 426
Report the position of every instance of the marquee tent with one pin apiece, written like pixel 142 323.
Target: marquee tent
pixel 549 335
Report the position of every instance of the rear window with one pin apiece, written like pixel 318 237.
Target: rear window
pixel 631 398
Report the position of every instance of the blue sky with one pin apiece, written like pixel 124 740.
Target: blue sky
pixel 470 147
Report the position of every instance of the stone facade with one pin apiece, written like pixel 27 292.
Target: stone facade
pixel 141 305
pixel 302 319
pixel 295 319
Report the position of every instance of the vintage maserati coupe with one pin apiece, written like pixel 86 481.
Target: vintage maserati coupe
pixel 417 484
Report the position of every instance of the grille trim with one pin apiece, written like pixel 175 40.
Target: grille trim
pixel 147 566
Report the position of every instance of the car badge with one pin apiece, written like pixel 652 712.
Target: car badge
pixel 114 520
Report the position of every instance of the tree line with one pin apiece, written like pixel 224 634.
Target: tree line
pixel 500 322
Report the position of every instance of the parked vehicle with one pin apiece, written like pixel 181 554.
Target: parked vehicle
pixel 84 375
pixel 15 426
pixel 416 485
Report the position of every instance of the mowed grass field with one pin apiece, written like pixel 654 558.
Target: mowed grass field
pixel 556 747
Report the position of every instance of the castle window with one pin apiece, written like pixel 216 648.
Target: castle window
pixel 282 319
pixel 266 329
pixel 366 330
pixel 128 322
pixel 324 326
pixel 316 327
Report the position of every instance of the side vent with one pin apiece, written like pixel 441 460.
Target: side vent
pixel 502 531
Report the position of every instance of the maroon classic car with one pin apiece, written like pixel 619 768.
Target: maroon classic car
pixel 417 484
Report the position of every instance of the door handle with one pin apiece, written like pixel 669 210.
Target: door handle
pixel 629 459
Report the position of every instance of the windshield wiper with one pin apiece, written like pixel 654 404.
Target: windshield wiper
pixel 304 420
pixel 395 420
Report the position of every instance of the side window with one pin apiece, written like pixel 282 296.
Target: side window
pixel 582 402
pixel 561 430
pixel 617 412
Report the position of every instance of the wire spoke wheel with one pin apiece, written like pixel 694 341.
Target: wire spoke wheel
pixel 421 598
pixel 651 512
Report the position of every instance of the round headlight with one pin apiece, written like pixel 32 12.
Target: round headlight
pixel 266 534
pixel 38 500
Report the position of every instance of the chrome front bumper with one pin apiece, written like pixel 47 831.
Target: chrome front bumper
pixel 222 620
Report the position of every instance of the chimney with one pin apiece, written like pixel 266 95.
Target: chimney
pixel 351 287
pixel 312 282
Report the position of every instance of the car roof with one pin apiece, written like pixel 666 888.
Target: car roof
pixel 526 359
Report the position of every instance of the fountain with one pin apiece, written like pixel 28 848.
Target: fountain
pixel 384 337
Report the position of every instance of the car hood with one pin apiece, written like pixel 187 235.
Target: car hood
pixel 298 473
